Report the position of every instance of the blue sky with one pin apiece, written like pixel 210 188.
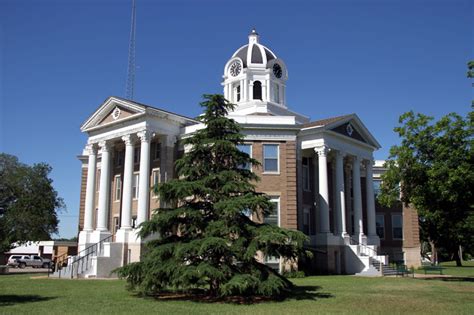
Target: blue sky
pixel 60 59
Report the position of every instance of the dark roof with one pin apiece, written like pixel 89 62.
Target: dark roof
pixel 153 107
pixel 256 56
pixel 326 121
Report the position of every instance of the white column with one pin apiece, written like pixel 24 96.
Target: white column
pixel 358 223
pixel 251 91
pixel 347 179
pixel 245 89
pixel 126 222
pixel 90 188
pixel 369 188
pixel 144 184
pixel 323 189
pixel 340 194
pixel 104 190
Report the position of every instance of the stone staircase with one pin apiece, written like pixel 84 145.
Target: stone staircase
pixel 363 260
pixel 95 261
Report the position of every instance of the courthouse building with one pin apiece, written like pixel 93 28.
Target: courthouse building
pixel 319 174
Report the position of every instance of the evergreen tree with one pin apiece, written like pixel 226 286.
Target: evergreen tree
pixel 207 239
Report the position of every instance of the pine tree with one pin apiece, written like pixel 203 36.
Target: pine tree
pixel 207 240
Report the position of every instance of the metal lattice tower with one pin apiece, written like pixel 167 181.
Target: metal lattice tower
pixel 130 88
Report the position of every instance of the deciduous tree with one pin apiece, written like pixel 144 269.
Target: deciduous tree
pixel 28 202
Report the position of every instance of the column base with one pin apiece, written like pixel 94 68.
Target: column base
pixel 125 235
pixel 362 239
pixel 327 239
pixel 346 238
pixel 83 240
pixel 373 240
pixel 97 236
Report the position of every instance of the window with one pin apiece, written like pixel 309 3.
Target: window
pixel 270 158
pixel 157 151
pixel 119 158
pixel 136 155
pixel 380 225
pixel 306 185
pixel 247 148
pixel 116 224
pixel 257 90
pixel 118 187
pixel 397 226
pixel 135 179
pixel 155 173
pixel 273 217
pixel 276 93
pixel 134 222
pixel 237 93
pixel 377 184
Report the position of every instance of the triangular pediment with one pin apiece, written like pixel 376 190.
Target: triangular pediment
pixel 352 127
pixel 113 110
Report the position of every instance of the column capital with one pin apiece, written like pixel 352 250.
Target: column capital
pixel 144 135
pixel 91 148
pixel 104 146
pixel 368 162
pixel 128 139
pixel 322 150
pixel 340 153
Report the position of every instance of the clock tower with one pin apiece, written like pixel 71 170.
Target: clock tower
pixel 255 80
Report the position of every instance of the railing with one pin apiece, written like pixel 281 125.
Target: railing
pixel 353 241
pixel 83 260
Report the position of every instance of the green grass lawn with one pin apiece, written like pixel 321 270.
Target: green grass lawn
pixel 20 294
pixel 449 268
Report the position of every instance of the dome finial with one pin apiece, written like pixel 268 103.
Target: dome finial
pixel 253 36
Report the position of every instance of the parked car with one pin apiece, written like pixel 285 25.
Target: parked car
pixel 35 261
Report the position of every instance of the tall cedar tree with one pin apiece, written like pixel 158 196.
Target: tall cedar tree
pixel 433 169
pixel 207 240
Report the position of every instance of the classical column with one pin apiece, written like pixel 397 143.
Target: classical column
pixel 340 194
pixel 358 223
pixel 90 188
pixel 144 184
pixel 250 91
pixel 347 170
pixel 323 189
pixel 104 190
pixel 126 222
pixel 369 188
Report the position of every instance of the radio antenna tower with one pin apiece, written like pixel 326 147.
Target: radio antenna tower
pixel 130 88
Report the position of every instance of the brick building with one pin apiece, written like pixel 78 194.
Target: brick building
pixel 318 173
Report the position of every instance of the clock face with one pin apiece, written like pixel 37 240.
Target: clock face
pixel 235 68
pixel 277 71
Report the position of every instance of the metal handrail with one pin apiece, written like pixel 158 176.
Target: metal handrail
pixel 363 245
pixel 90 250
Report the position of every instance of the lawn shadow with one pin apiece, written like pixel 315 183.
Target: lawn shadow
pixel 449 279
pixel 199 296
pixel 11 299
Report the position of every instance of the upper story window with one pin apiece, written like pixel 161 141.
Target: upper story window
pixel 247 148
pixel 119 158
pixel 135 180
pixel 118 187
pixel 271 158
pixel 136 155
pixel 380 225
pixel 257 90
pixel 306 218
pixel 274 217
pixel 306 185
pixel 397 226
pixel 157 151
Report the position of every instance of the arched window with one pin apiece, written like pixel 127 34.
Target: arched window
pixel 257 90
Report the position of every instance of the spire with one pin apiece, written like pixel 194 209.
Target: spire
pixel 253 36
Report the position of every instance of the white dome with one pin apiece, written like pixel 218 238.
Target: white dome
pixel 254 52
